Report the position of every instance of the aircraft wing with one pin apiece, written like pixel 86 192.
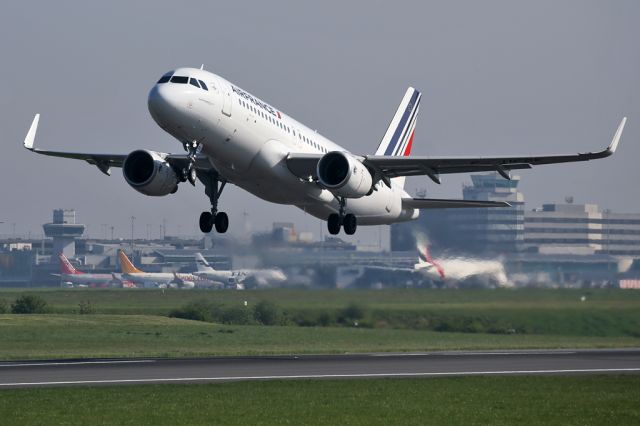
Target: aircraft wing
pixel 392 166
pixel 304 165
pixel 104 162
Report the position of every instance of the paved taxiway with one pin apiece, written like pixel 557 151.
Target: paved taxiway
pixel 428 364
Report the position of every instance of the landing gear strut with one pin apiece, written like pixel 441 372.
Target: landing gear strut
pixel 337 220
pixel 188 173
pixel 213 188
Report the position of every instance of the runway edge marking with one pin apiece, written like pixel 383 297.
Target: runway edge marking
pixel 324 376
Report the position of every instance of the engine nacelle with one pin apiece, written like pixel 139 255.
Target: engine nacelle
pixel 148 173
pixel 344 175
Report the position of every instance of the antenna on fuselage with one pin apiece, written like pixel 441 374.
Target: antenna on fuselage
pixel 202 66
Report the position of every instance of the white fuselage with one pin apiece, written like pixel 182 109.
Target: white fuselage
pixel 154 279
pixel 248 141
pixel 262 277
pixel 460 269
pixel 88 279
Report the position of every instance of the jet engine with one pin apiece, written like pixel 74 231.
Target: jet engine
pixel 344 175
pixel 148 173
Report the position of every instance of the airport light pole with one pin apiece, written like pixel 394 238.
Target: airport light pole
pixel 133 219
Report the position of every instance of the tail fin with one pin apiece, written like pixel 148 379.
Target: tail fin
pixel 66 267
pixel 398 139
pixel 202 263
pixel 125 264
pixel 425 257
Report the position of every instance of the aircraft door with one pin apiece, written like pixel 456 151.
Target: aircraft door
pixel 227 100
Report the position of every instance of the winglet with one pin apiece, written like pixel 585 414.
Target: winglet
pixel 616 138
pixel 31 135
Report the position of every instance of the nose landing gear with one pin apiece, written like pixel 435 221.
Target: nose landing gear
pixel 337 220
pixel 188 173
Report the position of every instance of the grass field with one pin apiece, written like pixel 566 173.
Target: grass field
pixel 95 336
pixel 134 322
pixel 579 400
pixel 158 302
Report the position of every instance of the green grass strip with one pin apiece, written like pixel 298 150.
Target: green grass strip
pixel 577 400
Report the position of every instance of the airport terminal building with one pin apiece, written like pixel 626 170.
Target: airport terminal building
pixel 565 228
pixel 582 229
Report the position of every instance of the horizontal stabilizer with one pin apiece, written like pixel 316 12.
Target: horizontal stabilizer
pixel 435 203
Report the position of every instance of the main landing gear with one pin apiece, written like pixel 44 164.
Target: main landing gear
pixel 214 218
pixel 337 220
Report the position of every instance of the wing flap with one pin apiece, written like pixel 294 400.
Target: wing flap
pixel 437 203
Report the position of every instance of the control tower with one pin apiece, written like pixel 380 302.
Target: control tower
pixel 64 232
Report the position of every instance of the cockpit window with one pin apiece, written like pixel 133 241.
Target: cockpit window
pixel 165 77
pixel 204 86
pixel 194 82
pixel 179 79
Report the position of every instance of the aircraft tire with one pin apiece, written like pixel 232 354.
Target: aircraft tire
pixel 333 224
pixel 192 176
pixel 350 224
pixel 206 222
pixel 222 222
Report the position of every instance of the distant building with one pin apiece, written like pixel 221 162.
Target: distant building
pixel 582 229
pixel 473 231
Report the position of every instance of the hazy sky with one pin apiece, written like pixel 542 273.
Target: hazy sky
pixel 498 78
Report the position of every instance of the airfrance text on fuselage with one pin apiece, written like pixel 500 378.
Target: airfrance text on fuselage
pixel 256 101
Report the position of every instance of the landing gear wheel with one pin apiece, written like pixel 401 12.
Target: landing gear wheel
pixel 350 224
pixel 206 222
pixel 333 224
pixel 222 222
pixel 192 175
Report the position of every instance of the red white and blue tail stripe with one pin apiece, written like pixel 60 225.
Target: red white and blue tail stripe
pixel 398 139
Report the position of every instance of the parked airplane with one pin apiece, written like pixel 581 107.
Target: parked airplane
pixel 71 277
pixel 233 136
pixel 452 271
pixel 459 269
pixel 239 277
pixel 155 279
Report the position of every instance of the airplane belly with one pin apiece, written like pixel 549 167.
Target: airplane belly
pixel 269 178
pixel 231 147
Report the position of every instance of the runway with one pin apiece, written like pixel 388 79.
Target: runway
pixel 377 365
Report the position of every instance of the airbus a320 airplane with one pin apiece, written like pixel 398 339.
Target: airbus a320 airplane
pixel 231 136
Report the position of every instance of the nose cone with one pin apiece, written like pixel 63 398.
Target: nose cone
pixel 160 104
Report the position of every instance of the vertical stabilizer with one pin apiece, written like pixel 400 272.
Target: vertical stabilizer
pixel 424 258
pixel 202 264
pixel 125 264
pixel 66 267
pixel 398 139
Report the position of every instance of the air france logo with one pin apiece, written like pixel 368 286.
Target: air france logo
pixel 257 102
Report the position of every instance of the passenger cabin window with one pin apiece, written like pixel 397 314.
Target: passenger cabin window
pixel 204 86
pixel 179 79
pixel 194 82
